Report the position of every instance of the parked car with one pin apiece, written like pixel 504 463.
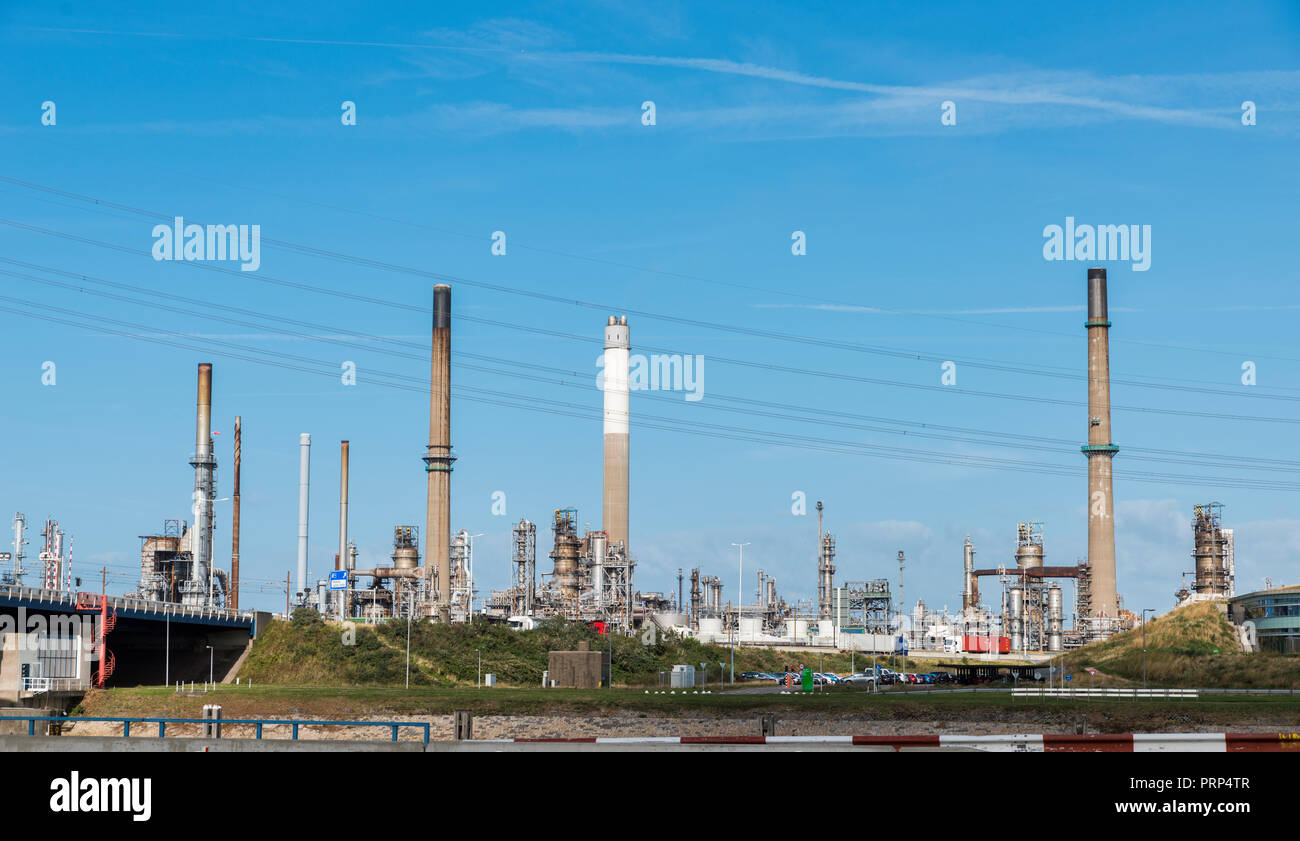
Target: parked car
pixel 828 677
pixel 861 679
pixel 751 675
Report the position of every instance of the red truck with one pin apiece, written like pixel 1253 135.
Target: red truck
pixel 982 645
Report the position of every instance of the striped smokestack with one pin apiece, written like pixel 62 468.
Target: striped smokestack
pixel 615 512
pixel 1100 451
pixel 438 459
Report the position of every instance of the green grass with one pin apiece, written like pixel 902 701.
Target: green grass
pixel 279 701
pixel 1194 646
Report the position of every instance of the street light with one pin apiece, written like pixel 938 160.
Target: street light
pixel 470 548
pixel 740 606
pixel 1145 611
pixel 479 685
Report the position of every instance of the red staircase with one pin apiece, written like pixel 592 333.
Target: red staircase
pixel 107 621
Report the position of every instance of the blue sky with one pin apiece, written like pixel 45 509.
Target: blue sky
pixel 527 119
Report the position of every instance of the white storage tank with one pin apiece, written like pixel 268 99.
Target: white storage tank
pixel 796 629
pixel 710 628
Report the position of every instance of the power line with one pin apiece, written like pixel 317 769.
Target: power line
pixel 697 428
pixel 264 278
pixel 1017 440
pixel 784 292
pixel 858 347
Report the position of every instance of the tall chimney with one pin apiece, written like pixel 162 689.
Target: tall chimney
pixel 615 511
pixel 304 475
pixel 232 601
pixel 438 459
pixel 341 560
pixel 197 591
pixel 1100 451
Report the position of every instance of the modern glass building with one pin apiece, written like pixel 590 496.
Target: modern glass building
pixel 1276 615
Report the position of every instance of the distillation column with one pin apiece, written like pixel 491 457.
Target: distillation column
pixel 198 590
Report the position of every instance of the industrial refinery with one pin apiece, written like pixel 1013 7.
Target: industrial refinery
pixel 1018 605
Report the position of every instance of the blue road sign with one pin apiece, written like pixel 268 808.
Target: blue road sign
pixel 1069 677
pixel 339 579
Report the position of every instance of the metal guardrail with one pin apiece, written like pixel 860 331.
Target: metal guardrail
pixel 162 723
pixel 1044 692
pixel 909 689
pixel 69 598
pixel 38 685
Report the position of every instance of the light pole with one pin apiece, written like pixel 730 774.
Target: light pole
pixel 210 659
pixel 740 606
pixel 1145 611
pixel 470 547
pixel 479 685
pixel 408 648
pixel 212 566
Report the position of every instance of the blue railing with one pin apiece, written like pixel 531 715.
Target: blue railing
pixel 259 722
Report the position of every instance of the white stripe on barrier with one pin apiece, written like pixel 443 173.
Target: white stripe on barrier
pixel 1019 743
pixel 1180 742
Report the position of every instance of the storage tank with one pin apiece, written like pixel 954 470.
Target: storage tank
pixel 1054 611
pixel 1016 603
pixel 751 627
pixel 598 546
pixel 710 627
pixel 671 619
pixel 405 554
pixel 1029 555
pixel 1029 545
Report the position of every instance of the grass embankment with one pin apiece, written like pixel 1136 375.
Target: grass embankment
pixel 308 652
pixel 1194 646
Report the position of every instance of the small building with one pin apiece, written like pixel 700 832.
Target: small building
pixel 581 669
pixel 1275 614
pixel 987 672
